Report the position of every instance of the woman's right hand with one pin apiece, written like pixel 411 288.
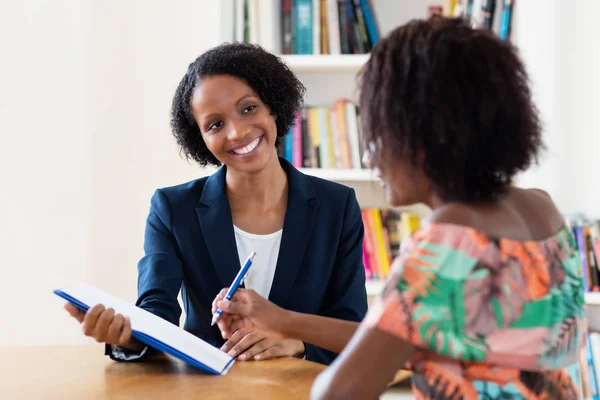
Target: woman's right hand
pixel 249 311
pixel 105 326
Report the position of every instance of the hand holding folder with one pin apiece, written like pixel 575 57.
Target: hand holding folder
pixel 153 330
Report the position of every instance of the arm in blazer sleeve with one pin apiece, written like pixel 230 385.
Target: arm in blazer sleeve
pixel 160 271
pixel 346 296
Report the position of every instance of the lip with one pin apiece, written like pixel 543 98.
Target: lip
pixel 261 137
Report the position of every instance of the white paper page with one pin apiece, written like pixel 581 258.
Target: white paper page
pixel 154 326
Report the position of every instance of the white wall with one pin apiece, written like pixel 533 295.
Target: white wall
pixel 85 91
pixel 44 166
pixel 561 52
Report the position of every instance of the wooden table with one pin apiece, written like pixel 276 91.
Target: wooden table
pixel 83 372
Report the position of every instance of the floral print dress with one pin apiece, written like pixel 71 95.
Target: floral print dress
pixel 491 318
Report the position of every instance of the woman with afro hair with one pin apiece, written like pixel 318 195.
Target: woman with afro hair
pixel 230 109
pixel 486 298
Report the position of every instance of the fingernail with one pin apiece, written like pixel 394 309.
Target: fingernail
pixel 232 353
pixel 257 357
pixel 242 357
pixel 224 348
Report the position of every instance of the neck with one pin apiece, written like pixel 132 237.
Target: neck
pixel 262 190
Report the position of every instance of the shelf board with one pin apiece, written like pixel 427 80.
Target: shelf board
pixel 374 288
pixel 592 298
pixel 323 63
pixel 341 175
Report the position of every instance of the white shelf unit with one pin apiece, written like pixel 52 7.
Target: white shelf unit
pixel 342 175
pixel 325 63
pixel 374 288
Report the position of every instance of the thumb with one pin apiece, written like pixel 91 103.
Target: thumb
pixel 234 308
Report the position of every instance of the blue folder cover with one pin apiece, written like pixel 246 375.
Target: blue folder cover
pixel 152 342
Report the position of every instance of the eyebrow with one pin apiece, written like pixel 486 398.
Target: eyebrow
pixel 236 103
pixel 244 97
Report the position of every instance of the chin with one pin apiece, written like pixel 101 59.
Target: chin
pixel 398 200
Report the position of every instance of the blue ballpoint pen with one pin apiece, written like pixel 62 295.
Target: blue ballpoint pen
pixel 234 286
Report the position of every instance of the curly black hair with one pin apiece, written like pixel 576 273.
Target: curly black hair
pixel 454 102
pixel 277 86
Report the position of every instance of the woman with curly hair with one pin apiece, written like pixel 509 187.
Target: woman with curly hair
pixel 486 299
pixel 230 109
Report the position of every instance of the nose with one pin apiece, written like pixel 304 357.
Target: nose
pixel 238 130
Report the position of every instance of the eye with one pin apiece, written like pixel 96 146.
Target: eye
pixel 216 125
pixel 248 109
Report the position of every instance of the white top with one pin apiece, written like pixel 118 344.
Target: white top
pixel 262 271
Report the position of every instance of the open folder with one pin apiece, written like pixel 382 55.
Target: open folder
pixel 153 330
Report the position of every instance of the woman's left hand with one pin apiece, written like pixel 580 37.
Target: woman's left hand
pixel 254 345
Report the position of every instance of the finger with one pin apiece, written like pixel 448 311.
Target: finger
pixel 220 296
pixel 114 329
pixel 75 312
pixel 258 348
pixel 125 336
pixel 90 319
pixel 245 343
pixel 234 307
pixel 236 336
pixel 224 325
pixel 271 352
pixel 103 323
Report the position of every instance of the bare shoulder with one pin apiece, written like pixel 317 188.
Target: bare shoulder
pixel 522 214
pixel 455 213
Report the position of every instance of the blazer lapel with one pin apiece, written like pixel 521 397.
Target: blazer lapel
pixel 297 227
pixel 216 223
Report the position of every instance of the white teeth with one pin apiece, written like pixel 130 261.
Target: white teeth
pixel 249 148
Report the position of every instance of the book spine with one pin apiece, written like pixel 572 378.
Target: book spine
pixel 315 137
pixel 353 134
pixel 303 26
pixel 324 28
pixel 297 158
pixel 505 20
pixel 382 254
pixel 370 244
pixel 316 24
pixel 335 134
pixel 372 29
pixel 362 29
pixel 306 141
pixel 344 32
pixel 286 26
pixel 333 27
pixel 346 156
pixel 365 259
pixel 357 45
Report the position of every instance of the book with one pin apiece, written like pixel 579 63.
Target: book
pixel 153 330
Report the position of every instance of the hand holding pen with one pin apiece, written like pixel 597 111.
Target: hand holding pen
pixel 234 286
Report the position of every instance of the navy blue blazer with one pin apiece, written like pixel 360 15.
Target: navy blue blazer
pixel 190 245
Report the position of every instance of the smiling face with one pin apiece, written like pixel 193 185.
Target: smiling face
pixel 237 127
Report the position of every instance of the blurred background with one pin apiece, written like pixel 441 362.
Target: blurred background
pixel 85 93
